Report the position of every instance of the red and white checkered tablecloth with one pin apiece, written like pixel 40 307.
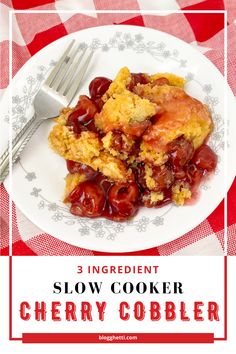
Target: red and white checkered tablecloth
pixel 34 31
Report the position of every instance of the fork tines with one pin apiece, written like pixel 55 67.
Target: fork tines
pixel 69 72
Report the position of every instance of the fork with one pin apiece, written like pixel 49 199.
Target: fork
pixel 56 92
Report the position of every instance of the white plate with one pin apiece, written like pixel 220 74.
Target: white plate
pixel 38 180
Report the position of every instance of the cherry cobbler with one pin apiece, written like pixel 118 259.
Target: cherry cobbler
pixel 139 140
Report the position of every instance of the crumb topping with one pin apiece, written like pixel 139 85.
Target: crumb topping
pixel 125 111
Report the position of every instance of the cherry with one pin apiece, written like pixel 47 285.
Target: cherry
pixel 83 113
pixel 117 140
pixel 87 109
pixel 114 216
pixel 180 152
pixel 179 173
pixel 136 129
pixel 205 158
pixel 99 86
pixel 154 119
pixel 137 78
pixel 74 123
pixel 88 199
pixel 104 182
pixel 119 143
pixel 99 103
pixel 160 82
pixel 140 175
pixel 123 197
pixel 76 167
pixel 72 166
pixel 91 126
pixel 194 175
pixel 162 176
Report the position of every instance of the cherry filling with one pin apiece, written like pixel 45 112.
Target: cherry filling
pixel 192 166
pixel 98 196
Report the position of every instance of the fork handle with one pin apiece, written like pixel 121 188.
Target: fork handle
pixel 18 145
pixel 18 137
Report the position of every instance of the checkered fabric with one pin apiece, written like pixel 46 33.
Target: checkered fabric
pixel 34 31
